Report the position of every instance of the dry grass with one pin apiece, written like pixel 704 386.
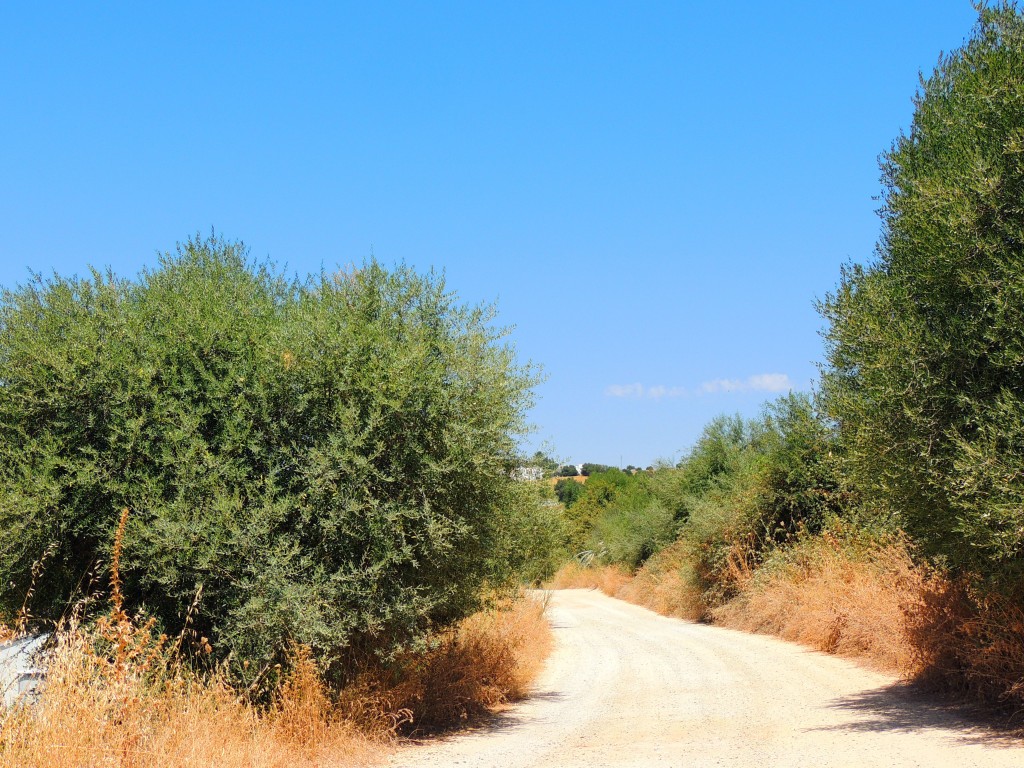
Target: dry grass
pixel 95 711
pixel 488 660
pixel 836 597
pixel 116 697
pixel 119 695
pixel 969 642
pixel 667 584
pixel 606 578
pixel 664 584
pixel 112 699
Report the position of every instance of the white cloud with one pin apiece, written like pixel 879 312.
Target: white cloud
pixel 721 385
pixel 761 382
pixel 659 391
pixel 770 382
pixel 625 390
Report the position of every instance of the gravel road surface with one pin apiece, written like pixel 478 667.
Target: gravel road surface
pixel 626 687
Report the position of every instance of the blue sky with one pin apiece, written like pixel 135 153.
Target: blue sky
pixel 654 193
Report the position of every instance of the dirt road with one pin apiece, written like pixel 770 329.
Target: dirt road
pixel 626 687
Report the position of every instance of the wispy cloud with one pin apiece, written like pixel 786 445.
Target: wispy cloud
pixel 625 390
pixel 761 382
pixel 770 382
pixel 659 391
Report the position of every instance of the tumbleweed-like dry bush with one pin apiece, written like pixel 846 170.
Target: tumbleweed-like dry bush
pixel 129 708
pixel 969 642
pixel 667 584
pixel 118 694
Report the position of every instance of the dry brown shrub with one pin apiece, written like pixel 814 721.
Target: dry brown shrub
pixel 92 713
pixel 667 584
pixel 127 708
pixel 969 642
pixel 606 578
pixel 836 596
pixel 487 660
pixel 117 695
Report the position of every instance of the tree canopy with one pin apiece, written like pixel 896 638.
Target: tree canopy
pixel 325 461
pixel 925 373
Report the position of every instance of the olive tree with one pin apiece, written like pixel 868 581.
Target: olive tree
pixel 325 461
pixel 925 373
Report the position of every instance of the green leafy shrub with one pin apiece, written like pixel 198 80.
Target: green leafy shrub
pixel 633 529
pixel 715 453
pixel 599 493
pixel 324 461
pixel 748 487
pixel 569 491
pixel 926 344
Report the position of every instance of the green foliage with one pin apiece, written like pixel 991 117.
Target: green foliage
pixel 326 461
pixel 632 529
pixel 925 368
pixel 594 469
pixel 599 493
pixel 716 452
pixel 569 491
pixel 567 470
pixel 750 486
pixel 616 515
pixel 746 487
pixel 534 539
pixel 800 486
pixel 544 462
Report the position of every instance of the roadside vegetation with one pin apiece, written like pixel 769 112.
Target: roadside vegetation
pixel 275 521
pixel 298 495
pixel 880 517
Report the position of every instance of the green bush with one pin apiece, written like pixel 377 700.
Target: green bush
pixel 615 515
pixel 568 491
pixel 538 537
pixel 748 487
pixel 800 487
pixel 722 442
pixel 632 529
pixel 599 493
pixel 326 461
pixel 926 344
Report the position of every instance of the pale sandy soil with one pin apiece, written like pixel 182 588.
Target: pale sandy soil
pixel 626 687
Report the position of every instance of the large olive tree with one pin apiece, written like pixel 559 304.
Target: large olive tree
pixel 325 461
pixel 925 371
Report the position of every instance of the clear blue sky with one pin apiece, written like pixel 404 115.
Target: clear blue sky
pixel 654 192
